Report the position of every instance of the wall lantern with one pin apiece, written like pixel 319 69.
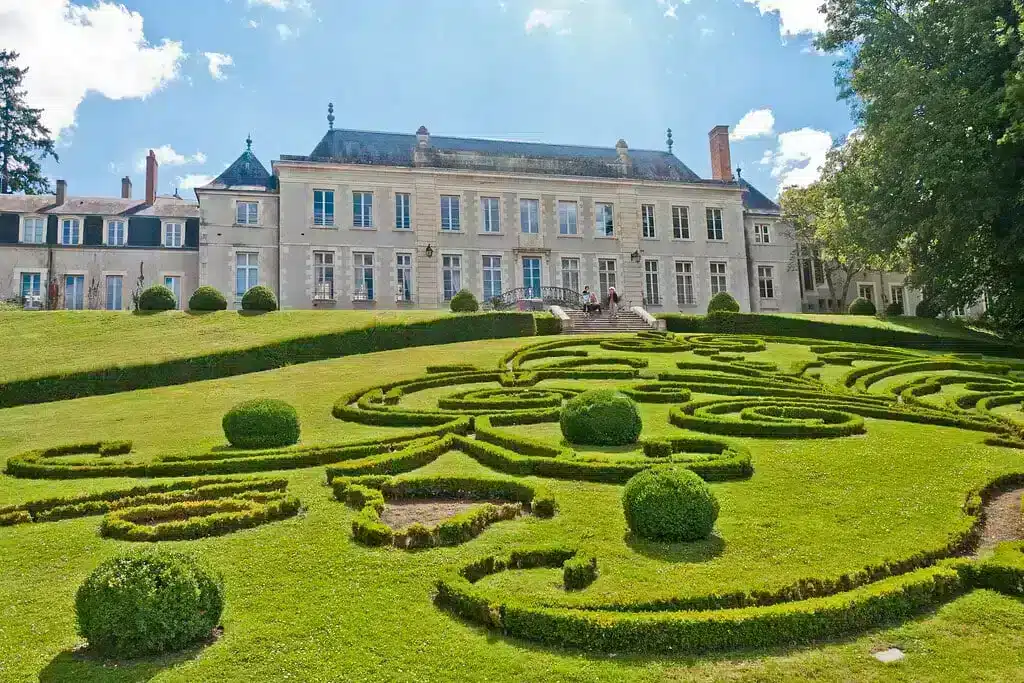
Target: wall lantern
pixel 635 256
pixel 430 251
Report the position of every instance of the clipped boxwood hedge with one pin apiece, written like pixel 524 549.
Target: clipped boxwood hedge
pixel 723 301
pixel 148 603
pixel 602 417
pixel 261 423
pixel 669 503
pixel 862 306
pixel 464 302
pixel 157 298
pixel 259 299
pixel 207 298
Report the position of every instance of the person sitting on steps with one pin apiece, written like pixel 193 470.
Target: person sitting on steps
pixel 590 303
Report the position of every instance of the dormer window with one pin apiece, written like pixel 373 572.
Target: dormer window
pixel 33 231
pixel 116 233
pixel 173 235
pixel 71 232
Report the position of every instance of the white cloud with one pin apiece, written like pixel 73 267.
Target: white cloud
pixel 304 6
pixel 193 180
pixel 670 7
pixel 754 124
pixel 284 31
pixel 799 156
pixel 167 156
pixel 795 16
pixel 253 23
pixel 216 62
pixel 71 50
pixel 545 18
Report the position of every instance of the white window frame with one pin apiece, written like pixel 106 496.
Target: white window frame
pixel 403 211
pixel 180 278
pixel 607 278
pixel 491 265
pixel 251 215
pixel 107 224
pixel 451 213
pixel 532 224
pixel 404 275
pixel 106 290
pixel 604 219
pixel 454 270
pixel 861 285
pixel 766 283
pixel 648 221
pixel 569 272
pixel 762 233
pixel 568 218
pixel 24 229
pixel 248 268
pixel 20 274
pixel 165 231
pixel 363 263
pixel 325 220
pixel 490 213
pixel 363 220
pixel 686 289
pixel 324 275
pixel 77 222
pixel 85 289
pixel 652 282
pixel 715 224
pixel 681 222
pixel 715 285
pixel 902 297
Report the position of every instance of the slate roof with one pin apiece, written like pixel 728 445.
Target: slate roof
pixel 756 201
pixel 246 173
pixel 45 204
pixel 396 149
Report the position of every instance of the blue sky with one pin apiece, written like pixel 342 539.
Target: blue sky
pixel 191 78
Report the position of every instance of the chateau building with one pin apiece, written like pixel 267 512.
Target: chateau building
pixel 386 220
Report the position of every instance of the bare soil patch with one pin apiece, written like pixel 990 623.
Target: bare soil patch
pixel 399 515
pixel 1002 521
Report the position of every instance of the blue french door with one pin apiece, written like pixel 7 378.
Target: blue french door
pixel 531 275
pixel 74 292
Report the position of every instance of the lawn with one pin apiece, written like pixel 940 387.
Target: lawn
pixel 307 602
pixel 939 327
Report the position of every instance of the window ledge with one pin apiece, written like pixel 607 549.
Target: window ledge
pixel 314 226
pixel 246 225
pixel 606 237
pixel 449 231
pixel 572 237
pixel 650 239
pixel 491 234
pixel 397 229
pixel 682 239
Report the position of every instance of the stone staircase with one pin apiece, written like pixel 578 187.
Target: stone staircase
pixel 625 321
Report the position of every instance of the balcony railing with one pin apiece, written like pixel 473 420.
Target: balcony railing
pixel 323 291
pixel 552 296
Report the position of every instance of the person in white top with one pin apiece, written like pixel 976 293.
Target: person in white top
pixel 613 301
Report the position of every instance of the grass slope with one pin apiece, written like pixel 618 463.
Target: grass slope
pixel 954 329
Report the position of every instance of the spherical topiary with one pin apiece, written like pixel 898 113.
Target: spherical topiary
pixel 895 308
pixel 862 306
pixel 926 309
pixel 147 603
pixel 723 301
pixel 602 417
pixel 207 298
pixel 464 302
pixel 259 298
pixel 263 423
pixel 157 298
pixel 669 503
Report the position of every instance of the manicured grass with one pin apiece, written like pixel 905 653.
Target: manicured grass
pixel 904 323
pixel 45 342
pixel 305 602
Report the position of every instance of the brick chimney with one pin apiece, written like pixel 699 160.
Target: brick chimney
pixel 721 157
pixel 151 168
pixel 126 188
pixel 62 192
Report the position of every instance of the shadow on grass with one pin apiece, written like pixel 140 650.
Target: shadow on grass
pixel 693 551
pixel 81 665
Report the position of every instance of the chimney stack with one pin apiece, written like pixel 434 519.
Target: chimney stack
pixel 721 157
pixel 126 188
pixel 151 168
pixel 62 192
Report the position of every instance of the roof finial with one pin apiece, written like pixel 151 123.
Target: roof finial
pixel 668 141
pixel 248 143
pixel 330 116
pixel 739 173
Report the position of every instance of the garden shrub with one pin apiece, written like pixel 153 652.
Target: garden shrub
pixel 723 301
pixel 862 306
pixel 259 299
pixel 579 571
pixel 157 298
pixel 207 298
pixel 261 423
pixel 548 324
pixel 669 503
pixel 603 417
pixel 895 308
pixel 926 309
pixel 148 603
pixel 464 302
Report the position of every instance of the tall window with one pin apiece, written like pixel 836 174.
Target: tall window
pixel 492 277
pixel 403 273
pixel 718 281
pixel 323 275
pixel 450 212
pixel 172 234
pixel 531 276
pixel 116 234
pixel 363 263
pixel 247 271
pixel 866 292
pixel 807 271
pixel 647 219
pixel 766 281
pixel 451 275
pixel 32 288
pixel 362 209
pixel 571 274
pixel 681 222
pixel 403 210
pixel 715 224
pixel 71 231
pixel 605 275
pixel 34 231
pixel 567 218
pixel 115 291
pixel 897 295
pixel 684 284
pixel 604 221
pixel 761 234
pixel 652 288
pixel 173 283
pixel 247 213
pixel 74 292
pixel 490 208
pixel 529 215
pixel 323 207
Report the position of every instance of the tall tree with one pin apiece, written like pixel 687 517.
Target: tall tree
pixel 24 140
pixel 937 87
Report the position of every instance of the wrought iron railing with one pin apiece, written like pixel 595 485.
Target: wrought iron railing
pixel 551 296
pixel 323 291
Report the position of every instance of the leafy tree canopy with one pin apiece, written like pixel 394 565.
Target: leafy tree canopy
pixel 24 140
